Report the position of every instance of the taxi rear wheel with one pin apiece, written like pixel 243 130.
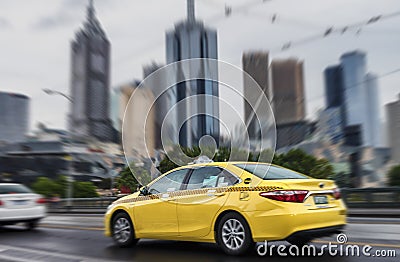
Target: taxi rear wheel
pixel 123 231
pixel 234 235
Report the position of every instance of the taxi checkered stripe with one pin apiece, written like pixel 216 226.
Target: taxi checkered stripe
pixel 202 191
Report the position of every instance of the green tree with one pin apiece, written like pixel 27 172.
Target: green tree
pixel 58 187
pixel 127 179
pixel 223 154
pixel 45 186
pixel 166 165
pixel 298 160
pixel 341 179
pixel 62 185
pixel 394 176
pixel 84 189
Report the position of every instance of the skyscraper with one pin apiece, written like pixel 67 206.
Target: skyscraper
pixel 393 120
pixel 162 104
pixel 288 91
pixel 334 86
pixel 136 116
pixel 373 109
pixel 14 117
pixel 361 97
pixel 354 70
pixel 255 64
pixel 191 39
pixel 90 78
pixel 354 93
pixel 334 116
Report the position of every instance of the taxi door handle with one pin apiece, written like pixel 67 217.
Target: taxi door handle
pixel 219 194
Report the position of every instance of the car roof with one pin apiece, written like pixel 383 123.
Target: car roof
pixel 224 164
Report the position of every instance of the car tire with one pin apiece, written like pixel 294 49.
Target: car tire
pixel 234 235
pixel 30 225
pixel 122 230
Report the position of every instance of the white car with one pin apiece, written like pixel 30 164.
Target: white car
pixel 19 204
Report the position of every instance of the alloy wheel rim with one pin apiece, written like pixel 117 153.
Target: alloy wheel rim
pixel 122 230
pixel 233 234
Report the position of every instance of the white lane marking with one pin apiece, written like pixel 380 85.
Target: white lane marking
pixel 47 253
pixel 15 259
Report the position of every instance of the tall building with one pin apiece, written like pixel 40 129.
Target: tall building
pixel 334 91
pixel 373 110
pixel 162 104
pixel 354 70
pixel 191 39
pixel 361 97
pixel 14 117
pixel 334 86
pixel 330 124
pixel 393 124
pixel 255 64
pixel 288 91
pixel 138 126
pixel 90 78
pixel 333 119
pixel 150 68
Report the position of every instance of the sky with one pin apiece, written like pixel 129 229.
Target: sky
pixel 35 41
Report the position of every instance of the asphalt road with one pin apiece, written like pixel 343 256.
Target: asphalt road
pixel 76 238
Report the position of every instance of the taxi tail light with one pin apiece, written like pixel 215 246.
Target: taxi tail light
pixel 41 201
pixel 1 203
pixel 336 193
pixel 296 196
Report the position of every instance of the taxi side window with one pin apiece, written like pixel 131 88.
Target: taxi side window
pixel 227 179
pixel 169 183
pixel 210 177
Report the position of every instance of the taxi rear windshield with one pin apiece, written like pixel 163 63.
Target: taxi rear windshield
pixel 268 172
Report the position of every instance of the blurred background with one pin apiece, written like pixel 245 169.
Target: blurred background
pixel 328 70
pixel 69 68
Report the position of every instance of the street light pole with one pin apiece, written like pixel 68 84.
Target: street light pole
pixel 70 165
pixel 55 92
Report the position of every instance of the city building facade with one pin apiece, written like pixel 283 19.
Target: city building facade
pixel 90 78
pixel 334 95
pixel 14 117
pixel 256 64
pixel 373 110
pixel 190 39
pixel 162 104
pixel 288 91
pixel 136 121
pixel 393 122
pixel 361 97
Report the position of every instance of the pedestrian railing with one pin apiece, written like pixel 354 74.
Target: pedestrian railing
pixel 372 197
pixel 80 204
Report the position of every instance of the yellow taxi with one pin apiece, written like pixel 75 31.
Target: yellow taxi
pixel 233 204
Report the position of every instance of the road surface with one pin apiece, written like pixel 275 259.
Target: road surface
pixel 77 238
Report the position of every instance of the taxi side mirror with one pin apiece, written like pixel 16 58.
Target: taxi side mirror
pixel 144 191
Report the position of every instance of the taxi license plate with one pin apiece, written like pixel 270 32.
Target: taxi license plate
pixel 320 200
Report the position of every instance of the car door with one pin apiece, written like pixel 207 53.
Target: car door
pixel 155 217
pixel 205 194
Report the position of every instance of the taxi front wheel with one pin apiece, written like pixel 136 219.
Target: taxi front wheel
pixel 123 231
pixel 234 235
